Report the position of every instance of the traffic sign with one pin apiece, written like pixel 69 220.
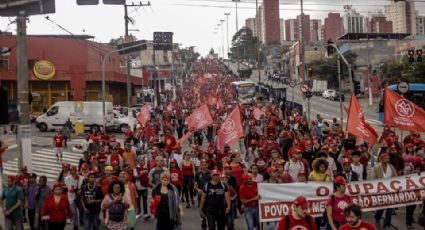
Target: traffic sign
pixel 403 87
pixel 304 88
pixel 292 84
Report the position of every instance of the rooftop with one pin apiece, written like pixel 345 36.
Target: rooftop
pixel 374 36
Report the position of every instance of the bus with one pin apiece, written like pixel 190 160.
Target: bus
pixel 416 95
pixel 243 91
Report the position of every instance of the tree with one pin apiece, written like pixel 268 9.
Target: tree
pixel 244 43
pixel 393 72
pixel 211 51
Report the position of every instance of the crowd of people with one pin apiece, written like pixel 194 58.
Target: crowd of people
pixel 155 173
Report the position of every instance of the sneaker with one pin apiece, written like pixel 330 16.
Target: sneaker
pixel 138 216
pixel 146 216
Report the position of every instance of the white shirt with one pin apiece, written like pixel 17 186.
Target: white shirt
pixel 76 184
pixel 332 167
pixel 387 173
pixel 293 168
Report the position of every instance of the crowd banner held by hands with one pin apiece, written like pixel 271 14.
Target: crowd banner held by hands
pixel 402 113
pixel 200 118
pixel 231 129
pixel 277 199
pixel 357 125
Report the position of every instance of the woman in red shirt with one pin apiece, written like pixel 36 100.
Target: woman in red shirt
pixel 56 209
pixel 238 168
pixel 176 176
pixel 188 171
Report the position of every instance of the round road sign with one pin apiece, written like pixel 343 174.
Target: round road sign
pixel 304 88
pixel 292 84
pixel 403 87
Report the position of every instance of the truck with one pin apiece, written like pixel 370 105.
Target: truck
pixel 319 86
pixel 88 112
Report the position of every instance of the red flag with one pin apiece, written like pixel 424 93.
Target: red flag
pixel 231 129
pixel 402 113
pixel 170 107
pixel 257 113
pixel 356 124
pixel 184 138
pixel 144 115
pixel 200 118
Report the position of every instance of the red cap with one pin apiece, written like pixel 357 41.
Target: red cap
pixel 340 180
pixel 301 201
pixel 113 163
pixel 349 152
pixel 94 169
pixel 253 142
pixel 173 161
pixel 65 165
pixel 57 184
pixel 93 158
pixel 334 142
pixel 84 166
pixel 12 178
pixel 92 172
pixel 308 142
pixel 74 168
pixel 24 168
pixel 410 145
pixel 294 152
pixel 287 178
pixel 215 172
pixel 346 161
pixel 204 161
pixel 417 160
pixel 247 176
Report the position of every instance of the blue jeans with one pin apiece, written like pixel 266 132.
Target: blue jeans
pixel 251 217
pixel 388 216
pixel 74 209
pixel 91 221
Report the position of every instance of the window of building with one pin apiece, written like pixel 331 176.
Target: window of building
pixel 4 63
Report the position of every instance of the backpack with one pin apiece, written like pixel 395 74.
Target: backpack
pixel 116 211
pixel 287 220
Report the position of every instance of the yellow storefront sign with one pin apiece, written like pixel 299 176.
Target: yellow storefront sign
pixel 44 70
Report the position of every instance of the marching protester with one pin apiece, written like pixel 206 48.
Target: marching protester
pixel 248 194
pixel 56 209
pixel 115 204
pixel 353 214
pixel 299 218
pixel 336 204
pixel 12 199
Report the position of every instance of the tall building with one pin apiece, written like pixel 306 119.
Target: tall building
pixel 252 24
pixel 282 31
pixel 315 30
pixel 291 30
pixel 403 15
pixel 306 26
pixel 353 21
pixel 269 22
pixel 333 27
pixel 379 24
pixel 420 25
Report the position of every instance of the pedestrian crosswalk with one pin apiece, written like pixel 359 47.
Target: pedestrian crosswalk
pixel 44 162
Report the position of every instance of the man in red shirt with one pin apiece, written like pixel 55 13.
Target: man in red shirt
pixel 58 143
pixel 353 214
pixel 248 194
pixel 299 219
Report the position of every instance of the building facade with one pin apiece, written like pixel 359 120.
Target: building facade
pixel 77 76
pixel 252 24
pixel 403 16
pixel 282 31
pixel 270 22
pixel 379 24
pixel 333 27
pixel 353 22
pixel 420 25
pixel 315 30
pixel 291 30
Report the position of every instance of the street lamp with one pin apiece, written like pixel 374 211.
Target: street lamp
pixel 222 38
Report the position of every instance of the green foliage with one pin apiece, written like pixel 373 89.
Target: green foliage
pixel 393 72
pixel 245 43
pixel 245 73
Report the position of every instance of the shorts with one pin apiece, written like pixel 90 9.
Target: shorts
pixel 58 150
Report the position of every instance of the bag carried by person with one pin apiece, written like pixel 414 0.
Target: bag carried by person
pixel 116 211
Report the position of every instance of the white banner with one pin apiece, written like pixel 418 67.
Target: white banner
pixel 276 199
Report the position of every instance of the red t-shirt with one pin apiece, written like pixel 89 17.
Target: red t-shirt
pixel 363 226
pixel 58 140
pixel 339 204
pixel 250 192
pixel 295 224
pixel 237 171
pixel 176 177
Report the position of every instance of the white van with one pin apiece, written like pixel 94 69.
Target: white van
pixel 89 112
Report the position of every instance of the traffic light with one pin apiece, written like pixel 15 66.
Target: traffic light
pixel 87 2
pixel 419 55
pixel 308 94
pixel 330 48
pixel 4 114
pixel 411 54
pixel 356 87
pixel 114 2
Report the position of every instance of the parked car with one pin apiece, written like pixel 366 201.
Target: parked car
pixel 336 96
pixel 328 93
pixel 121 122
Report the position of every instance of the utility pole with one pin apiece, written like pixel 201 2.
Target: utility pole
pixel 222 37
pixel 257 19
pixel 126 20
pixel 24 128
pixel 302 43
pixel 340 90
pixel 237 27
pixel 228 48
pixel 368 74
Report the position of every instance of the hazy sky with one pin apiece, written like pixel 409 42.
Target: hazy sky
pixel 192 21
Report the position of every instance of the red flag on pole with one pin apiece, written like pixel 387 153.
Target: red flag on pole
pixel 144 115
pixel 402 113
pixel 356 124
pixel 257 113
pixel 200 118
pixel 231 129
pixel 184 138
